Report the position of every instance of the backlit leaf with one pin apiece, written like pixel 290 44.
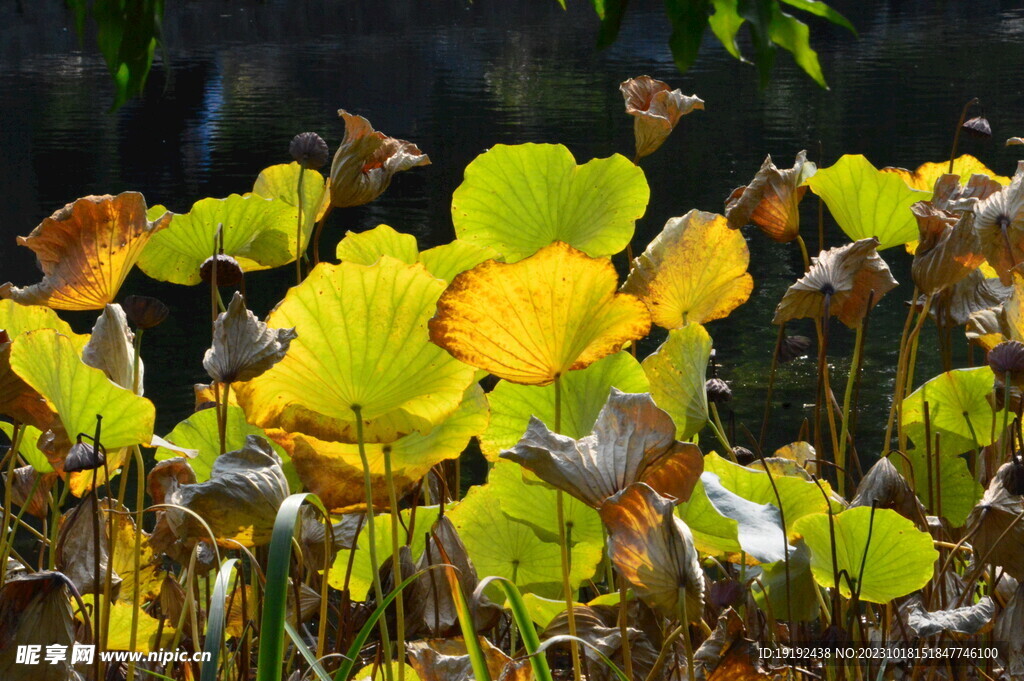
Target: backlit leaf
pixel 518 199
pixel 677 373
pixel 926 174
pixel 957 404
pixel 772 199
pixel 281 182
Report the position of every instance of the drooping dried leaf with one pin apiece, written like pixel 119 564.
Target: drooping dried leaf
pixel 239 501
pixel 656 110
pixel 948 251
pixel 86 250
pixel 848 274
pixel 29 481
pixel 772 199
pixel 997 535
pixel 243 346
pixel 710 652
pixel 884 487
pixel 110 348
pixel 604 634
pixel 999 222
pixel 446 659
pixel 969 619
pixel 653 550
pixel 695 270
pixel 974 293
pixel 366 160
pixel 534 320
pixel 1009 627
pixel 632 441
pixel 35 609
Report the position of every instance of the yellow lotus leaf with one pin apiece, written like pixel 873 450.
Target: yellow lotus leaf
pixel 334 471
pixel 150 635
pixel 694 271
pixel 281 182
pixel 49 362
pixel 17 399
pixel 532 321
pixel 86 250
pixel 846 275
pixel 362 345
pixel 772 199
pixel 927 173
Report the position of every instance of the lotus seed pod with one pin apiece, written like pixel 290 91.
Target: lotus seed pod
pixel 229 272
pixel 309 150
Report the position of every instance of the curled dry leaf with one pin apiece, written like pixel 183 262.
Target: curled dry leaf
pixel 86 250
pixel 974 293
pixel 656 110
pixel 243 346
pixel 446 659
pixel 1009 627
pixel 970 619
pixel 998 537
pixel 695 270
pixel 884 487
pixel 653 550
pixel 632 441
pixel 239 502
pixel 600 628
pixel 532 321
pixel 772 199
pixel 111 348
pixel 28 481
pixel 846 275
pixel 999 222
pixel 948 250
pixel 366 161
pixel 35 609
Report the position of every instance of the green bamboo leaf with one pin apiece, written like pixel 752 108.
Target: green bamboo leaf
pixel 214 635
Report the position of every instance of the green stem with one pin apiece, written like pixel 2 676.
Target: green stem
pixel 627 655
pixel 900 365
pixel 140 503
pixel 908 372
pixel 564 546
pixel 956 135
pixel 691 673
pixel 716 425
pixel 396 564
pixel 298 232
pixel 858 348
pixel 12 460
pixel 803 252
pixel 378 591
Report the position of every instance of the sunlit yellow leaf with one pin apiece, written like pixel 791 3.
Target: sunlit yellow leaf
pixel 677 372
pixel 772 199
pixel 695 270
pixel 924 177
pixel 533 321
pixel 86 250
pixel 362 344
pixel 281 182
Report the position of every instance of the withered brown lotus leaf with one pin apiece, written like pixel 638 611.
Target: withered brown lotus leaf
pixel 978 127
pixel 727 654
pixel 656 110
pixel 948 250
pixel 366 161
pixel 111 348
pixel 76 550
pixel 999 222
pixel 1015 141
pixel 603 632
pixel 1009 628
pixel 884 487
pixel 27 479
pixel 954 306
pixel 969 619
pixel 998 537
pixel 632 441
pixel 847 274
pixel 772 199
pixel 243 346
pixel 710 652
pixel 86 250
pixel 948 190
pixel 992 326
pixel 240 500
pixel 309 606
pixel 534 320
pixel 694 271
pixel 35 609
pixel 446 659
pixel 793 347
pixel 653 550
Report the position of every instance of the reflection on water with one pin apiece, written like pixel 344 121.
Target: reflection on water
pixel 457 78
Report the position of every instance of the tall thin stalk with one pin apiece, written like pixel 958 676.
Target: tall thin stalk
pixel 858 351
pixel 396 564
pixel 298 231
pixel 959 127
pixel 378 591
pixel 564 545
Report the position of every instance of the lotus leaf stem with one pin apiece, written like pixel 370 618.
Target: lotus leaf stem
pixel 858 351
pixel 771 385
pixel 396 563
pixel 298 231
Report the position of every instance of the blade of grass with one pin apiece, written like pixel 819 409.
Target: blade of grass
pixel 476 653
pixel 306 653
pixel 523 621
pixel 275 594
pixel 565 638
pixel 215 622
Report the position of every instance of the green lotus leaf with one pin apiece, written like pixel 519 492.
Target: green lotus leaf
pixel 884 558
pixel 959 491
pixel 775 583
pixel 366 248
pixel 444 262
pixel 448 260
pixel 17 319
pixel 544 610
pixel 713 533
pixel 362 344
pixel 867 202
pixel 524 497
pixel 583 394
pixel 28 448
pixel 199 432
pixel 799 497
pixel 412 530
pixel 258 232
pixel 957 404
pixel 151 633
pixel 677 373
pixel 281 182
pixel 759 526
pixel 518 199
pixel 334 470
pixel 498 545
pixel 49 362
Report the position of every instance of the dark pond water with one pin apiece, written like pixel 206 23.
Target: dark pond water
pixel 456 78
